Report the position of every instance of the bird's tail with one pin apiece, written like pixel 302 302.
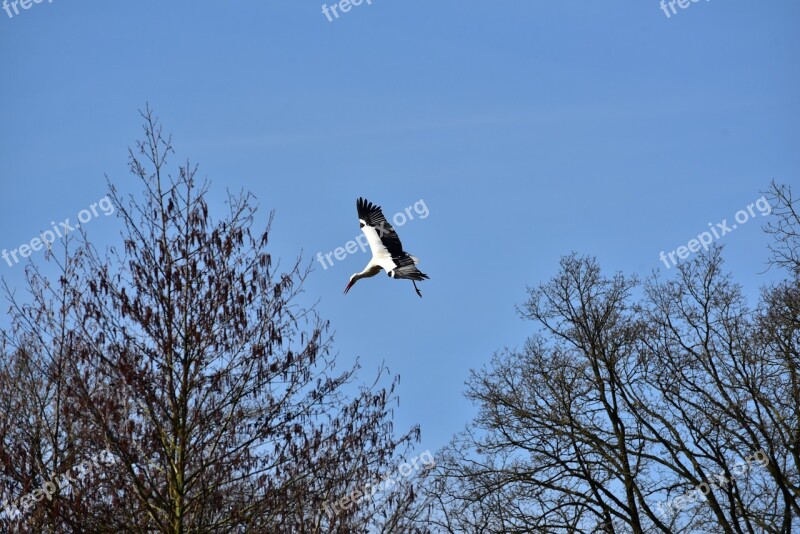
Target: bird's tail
pixel 409 272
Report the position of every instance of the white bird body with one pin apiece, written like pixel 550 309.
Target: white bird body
pixel 371 269
pixel 387 251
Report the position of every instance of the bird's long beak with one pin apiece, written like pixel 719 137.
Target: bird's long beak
pixel 349 285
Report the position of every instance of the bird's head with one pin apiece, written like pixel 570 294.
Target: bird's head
pixel 350 283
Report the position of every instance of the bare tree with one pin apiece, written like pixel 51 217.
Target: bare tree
pixel 187 356
pixel 44 441
pixel 785 229
pixel 663 406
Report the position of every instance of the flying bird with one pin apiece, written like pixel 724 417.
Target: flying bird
pixel 387 251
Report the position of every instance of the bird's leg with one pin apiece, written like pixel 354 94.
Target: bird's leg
pixel 417 289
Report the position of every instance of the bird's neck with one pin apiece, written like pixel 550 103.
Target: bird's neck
pixel 369 270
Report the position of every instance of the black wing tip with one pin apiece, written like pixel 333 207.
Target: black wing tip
pixel 365 207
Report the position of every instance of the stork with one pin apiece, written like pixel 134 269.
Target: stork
pixel 387 251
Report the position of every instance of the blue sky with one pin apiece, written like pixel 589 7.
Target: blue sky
pixel 530 130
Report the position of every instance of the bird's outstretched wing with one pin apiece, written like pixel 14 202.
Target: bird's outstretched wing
pixel 383 240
